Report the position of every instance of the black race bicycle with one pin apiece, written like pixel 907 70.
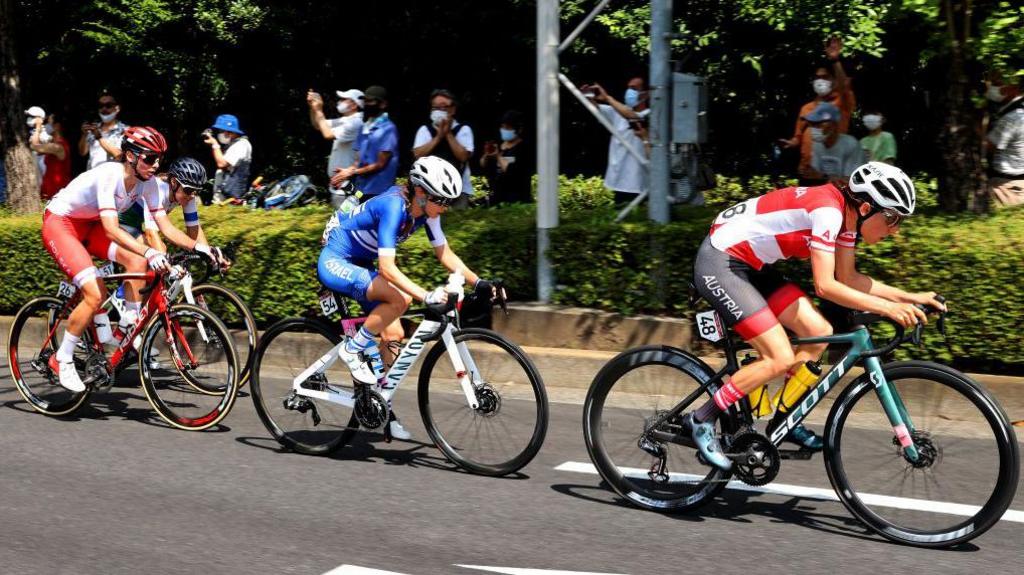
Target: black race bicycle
pixel 917 451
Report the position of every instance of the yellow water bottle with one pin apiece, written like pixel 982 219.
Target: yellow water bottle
pixel 797 385
pixel 760 405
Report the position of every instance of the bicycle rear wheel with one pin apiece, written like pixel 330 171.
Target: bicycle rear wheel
pixel 507 429
pixel 969 466
pixel 182 357
pixel 302 424
pixel 236 316
pixel 35 335
pixel 626 396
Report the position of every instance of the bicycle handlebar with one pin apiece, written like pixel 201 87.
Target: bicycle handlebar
pixel 901 337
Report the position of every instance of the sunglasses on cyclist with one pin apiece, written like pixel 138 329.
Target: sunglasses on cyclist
pixel 150 159
pixel 187 190
pixel 892 217
pixel 443 202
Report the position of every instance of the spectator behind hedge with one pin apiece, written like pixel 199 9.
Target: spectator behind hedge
pixel 376 147
pixel 832 86
pixel 834 156
pixel 56 153
pixel 1006 141
pixel 509 166
pixel 878 145
pixel 625 175
pixel 102 141
pixel 342 131
pixel 443 136
pixel 232 178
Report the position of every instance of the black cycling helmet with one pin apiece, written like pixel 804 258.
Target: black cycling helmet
pixel 188 172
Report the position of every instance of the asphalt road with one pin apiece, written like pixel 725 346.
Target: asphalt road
pixel 113 490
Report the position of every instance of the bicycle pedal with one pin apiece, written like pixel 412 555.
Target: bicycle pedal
pixel 796 454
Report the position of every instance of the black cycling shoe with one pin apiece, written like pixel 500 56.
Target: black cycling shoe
pixel 805 438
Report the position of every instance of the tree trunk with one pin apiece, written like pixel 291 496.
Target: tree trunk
pixel 962 179
pixel 22 174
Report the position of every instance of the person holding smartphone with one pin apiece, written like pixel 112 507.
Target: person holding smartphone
pixel 508 165
pixel 101 141
pixel 625 174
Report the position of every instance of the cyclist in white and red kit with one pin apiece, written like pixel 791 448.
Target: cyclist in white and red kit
pixel 821 223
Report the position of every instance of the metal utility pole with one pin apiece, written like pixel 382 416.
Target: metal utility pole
pixel 660 99
pixel 547 141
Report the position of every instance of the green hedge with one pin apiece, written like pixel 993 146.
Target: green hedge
pixel 633 267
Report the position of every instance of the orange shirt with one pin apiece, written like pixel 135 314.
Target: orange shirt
pixel 845 101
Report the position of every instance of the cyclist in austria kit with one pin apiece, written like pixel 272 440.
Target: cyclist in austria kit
pixel 821 223
pixel 372 231
pixel 80 223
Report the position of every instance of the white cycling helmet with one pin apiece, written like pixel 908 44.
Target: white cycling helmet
pixel 440 179
pixel 883 186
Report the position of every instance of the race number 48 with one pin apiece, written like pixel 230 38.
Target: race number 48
pixel 709 326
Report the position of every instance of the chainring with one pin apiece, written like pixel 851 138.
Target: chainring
pixel 371 409
pixel 761 462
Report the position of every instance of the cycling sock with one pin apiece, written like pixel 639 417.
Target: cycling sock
pixel 723 398
pixel 360 341
pixel 66 351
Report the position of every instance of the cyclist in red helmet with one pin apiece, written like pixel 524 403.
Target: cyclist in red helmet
pixel 81 222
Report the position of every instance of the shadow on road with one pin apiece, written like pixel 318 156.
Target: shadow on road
pixel 366 447
pixel 742 506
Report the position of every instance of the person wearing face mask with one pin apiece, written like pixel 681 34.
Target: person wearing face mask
pixel 101 141
pixel 625 174
pixel 342 131
pixel 232 177
pixel 833 155
pixel 508 165
pixel 376 148
pixel 1005 140
pixel 36 119
pixel 445 137
pixel 878 145
pixel 48 141
pixel 830 84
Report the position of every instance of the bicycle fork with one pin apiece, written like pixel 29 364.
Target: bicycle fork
pixel 894 408
pixel 465 367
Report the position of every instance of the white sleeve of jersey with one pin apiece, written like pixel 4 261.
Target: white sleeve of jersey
pixel 826 225
pixel 106 185
pixel 153 198
pixel 434 233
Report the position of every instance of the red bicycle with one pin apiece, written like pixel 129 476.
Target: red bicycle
pixel 186 356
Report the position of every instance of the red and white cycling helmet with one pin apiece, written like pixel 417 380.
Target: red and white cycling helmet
pixel 143 140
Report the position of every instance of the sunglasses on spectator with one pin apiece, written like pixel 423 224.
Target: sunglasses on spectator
pixel 150 159
pixel 107 105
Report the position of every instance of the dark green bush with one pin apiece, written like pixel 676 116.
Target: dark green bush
pixel 634 267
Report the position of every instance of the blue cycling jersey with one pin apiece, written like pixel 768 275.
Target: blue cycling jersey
pixel 376 227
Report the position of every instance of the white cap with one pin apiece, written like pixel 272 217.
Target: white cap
pixel 353 94
pixel 36 112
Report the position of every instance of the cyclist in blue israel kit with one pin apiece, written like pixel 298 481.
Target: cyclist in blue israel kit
pixel 372 231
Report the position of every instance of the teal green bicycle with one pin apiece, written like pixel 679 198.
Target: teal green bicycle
pixel 929 459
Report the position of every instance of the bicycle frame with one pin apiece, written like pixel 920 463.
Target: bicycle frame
pixel 861 345
pixel 465 369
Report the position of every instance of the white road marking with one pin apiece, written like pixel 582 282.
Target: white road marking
pixel 357 570
pixel 816 493
pixel 517 571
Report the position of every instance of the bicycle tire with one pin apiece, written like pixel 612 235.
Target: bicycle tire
pixel 958 415
pixel 37 384
pixel 245 345
pixel 669 373
pixel 294 429
pixel 183 406
pixel 504 398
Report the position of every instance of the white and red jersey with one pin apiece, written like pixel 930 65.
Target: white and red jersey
pixel 100 190
pixel 782 224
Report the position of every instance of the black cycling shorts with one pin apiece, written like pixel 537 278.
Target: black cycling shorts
pixel 748 300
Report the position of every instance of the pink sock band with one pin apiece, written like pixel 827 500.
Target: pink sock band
pixel 727 395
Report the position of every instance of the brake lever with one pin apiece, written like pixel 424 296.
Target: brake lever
pixel 916 338
pixel 503 300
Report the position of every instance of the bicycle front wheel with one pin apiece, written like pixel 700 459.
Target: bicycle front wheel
pixel 627 396
pixel 236 316
pixel 35 335
pixel 301 423
pixel 967 471
pixel 507 428
pixel 183 356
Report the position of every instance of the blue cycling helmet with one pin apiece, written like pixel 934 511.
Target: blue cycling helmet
pixel 227 123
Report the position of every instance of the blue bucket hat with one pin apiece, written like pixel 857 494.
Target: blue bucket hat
pixel 227 123
pixel 825 112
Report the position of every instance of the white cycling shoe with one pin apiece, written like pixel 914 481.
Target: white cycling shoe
pixel 397 431
pixel 361 371
pixel 67 375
